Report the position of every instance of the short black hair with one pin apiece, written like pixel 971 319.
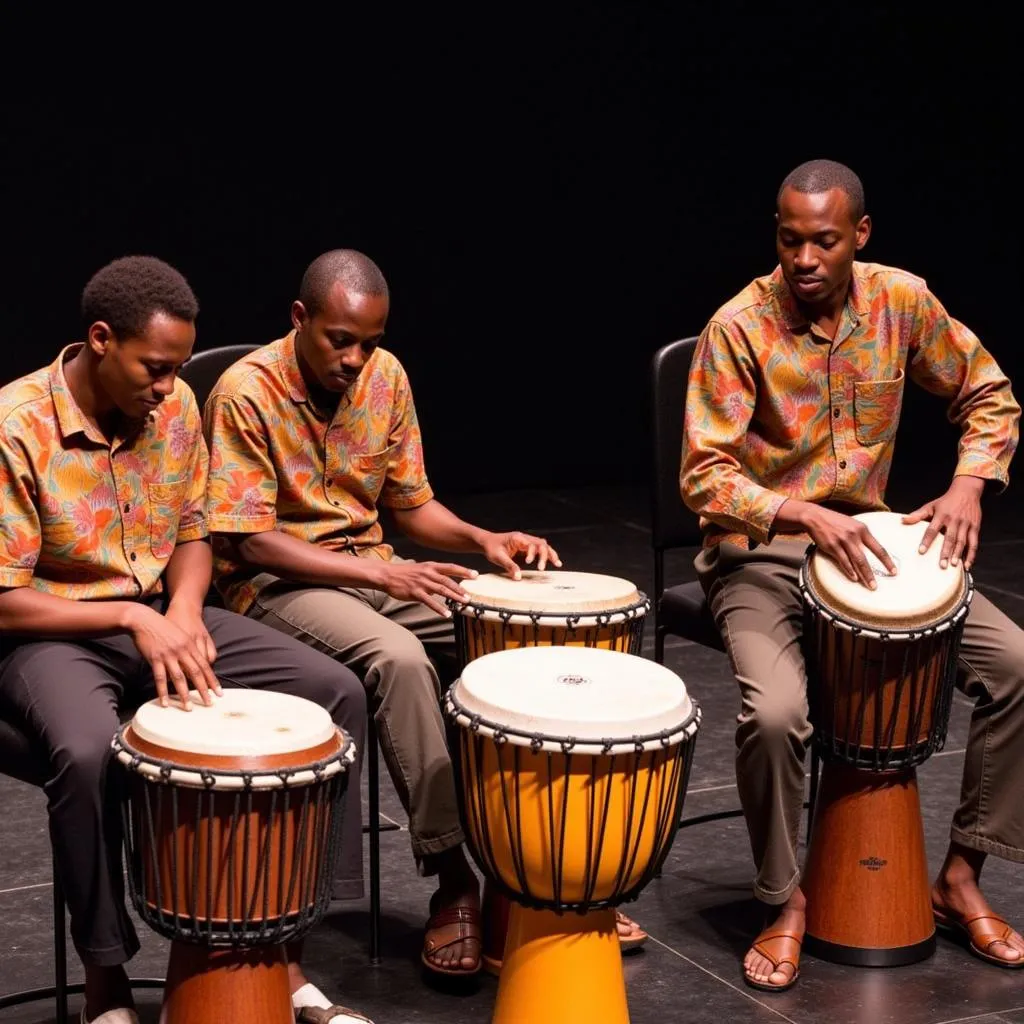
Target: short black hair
pixel 126 293
pixel 355 270
pixel 823 176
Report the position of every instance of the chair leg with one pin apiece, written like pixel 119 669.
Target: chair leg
pixel 812 796
pixel 659 645
pixel 60 949
pixel 373 785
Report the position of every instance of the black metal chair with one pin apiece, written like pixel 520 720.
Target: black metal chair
pixel 681 610
pixel 201 373
pixel 20 760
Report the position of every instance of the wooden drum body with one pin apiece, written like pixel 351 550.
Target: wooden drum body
pixel 881 669
pixel 232 817
pixel 572 766
pixel 542 609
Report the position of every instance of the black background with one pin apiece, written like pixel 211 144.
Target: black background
pixel 552 192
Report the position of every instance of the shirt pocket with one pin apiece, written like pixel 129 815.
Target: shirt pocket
pixel 165 501
pixel 370 470
pixel 876 409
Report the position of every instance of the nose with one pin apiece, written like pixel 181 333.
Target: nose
pixel 352 357
pixel 806 259
pixel 164 385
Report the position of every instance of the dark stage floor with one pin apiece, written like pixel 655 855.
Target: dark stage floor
pixel 700 913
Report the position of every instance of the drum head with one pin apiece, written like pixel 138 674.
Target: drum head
pixel 241 723
pixel 920 595
pixel 554 593
pixel 605 699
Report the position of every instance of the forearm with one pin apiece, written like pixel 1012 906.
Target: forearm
pixel 28 612
pixel 292 558
pixel 434 526
pixel 189 572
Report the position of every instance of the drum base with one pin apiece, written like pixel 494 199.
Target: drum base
pixel 866 878
pixel 209 986
pixel 494 911
pixel 564 968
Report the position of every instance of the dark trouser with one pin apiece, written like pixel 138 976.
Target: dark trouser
pixel 66 694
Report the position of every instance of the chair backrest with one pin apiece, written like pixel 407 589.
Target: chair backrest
pixel 203 370
pixel 672 523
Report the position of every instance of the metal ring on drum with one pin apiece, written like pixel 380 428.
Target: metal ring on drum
pixel 571 765
pixel 542 608
pixel 881 668
pixel 231 821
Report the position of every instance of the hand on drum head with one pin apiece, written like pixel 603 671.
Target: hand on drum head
pixel 502 548
pixel 173 656
pixel 843 539
pixel 957 515
pixel 427 582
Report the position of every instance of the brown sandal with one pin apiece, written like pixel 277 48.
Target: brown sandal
pixel 456 924
pixel 979 939
pixel 628 942
pixel 316 1015
pixel 776 957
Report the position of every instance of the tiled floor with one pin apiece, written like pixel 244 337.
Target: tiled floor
pixel 699 913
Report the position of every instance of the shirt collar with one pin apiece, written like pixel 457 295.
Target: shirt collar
pixel 70 418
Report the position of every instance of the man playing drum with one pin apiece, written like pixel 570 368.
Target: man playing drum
pixel 791 413
pixel 310 436
pixel 104 568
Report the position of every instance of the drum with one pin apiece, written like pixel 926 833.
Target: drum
pixel 881 669
pixel 231 818
pixel 571 765
pixel 576 609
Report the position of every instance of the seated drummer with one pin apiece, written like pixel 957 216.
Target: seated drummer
pixel 310 436
pixel 792 408
pixel 104 567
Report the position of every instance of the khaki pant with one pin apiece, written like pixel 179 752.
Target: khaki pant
pixel 392 646
pixel 758 608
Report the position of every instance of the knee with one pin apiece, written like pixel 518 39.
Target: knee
pixel 776 723
pixel 404 662
pixel 82 759
pixel 339 690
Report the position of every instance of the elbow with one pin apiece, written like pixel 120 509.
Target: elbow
pixel 250 548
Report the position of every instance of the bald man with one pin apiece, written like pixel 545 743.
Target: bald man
pixel 310 435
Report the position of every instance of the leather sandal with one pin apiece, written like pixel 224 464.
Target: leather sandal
pixel 979 938
pixel 776 948
pixel 332 1015
pixel 446 928
pixel 628 942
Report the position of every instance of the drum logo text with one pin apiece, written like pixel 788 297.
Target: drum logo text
pixel 873 863
pixel 573 680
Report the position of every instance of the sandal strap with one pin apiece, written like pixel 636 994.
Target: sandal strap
pixel 760 946
pixel 318 1015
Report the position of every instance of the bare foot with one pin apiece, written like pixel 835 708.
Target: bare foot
pixel 106 988
pixel 762 971
pixel 452 941
pixel 956 892
pixel 631 934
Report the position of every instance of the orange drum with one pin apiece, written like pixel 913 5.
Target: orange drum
pixel 572 609
pixel 572 766
pixel 231 826
pixel 881 668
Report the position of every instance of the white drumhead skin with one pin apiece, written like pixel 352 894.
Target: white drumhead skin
pixel 918 591
pixel 557 593
pixel 241 723
pixel 585 692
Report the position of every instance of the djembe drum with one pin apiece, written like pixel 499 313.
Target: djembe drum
pixel 575 609
pixel 572 765
pixel 232 818
pixel 881 669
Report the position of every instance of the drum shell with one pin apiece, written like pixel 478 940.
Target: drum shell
pixel 566 830
pixel 217 857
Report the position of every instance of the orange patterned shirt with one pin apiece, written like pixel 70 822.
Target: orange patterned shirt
pixel 279 462
pixel 84 518
pixel 775 409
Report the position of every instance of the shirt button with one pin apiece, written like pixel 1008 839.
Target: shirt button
pixel 127 506
pixel 842 465
pixel 133 556
pixel 329 482
pixel 836 414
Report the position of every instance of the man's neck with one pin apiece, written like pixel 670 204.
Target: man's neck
pixel 79 372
